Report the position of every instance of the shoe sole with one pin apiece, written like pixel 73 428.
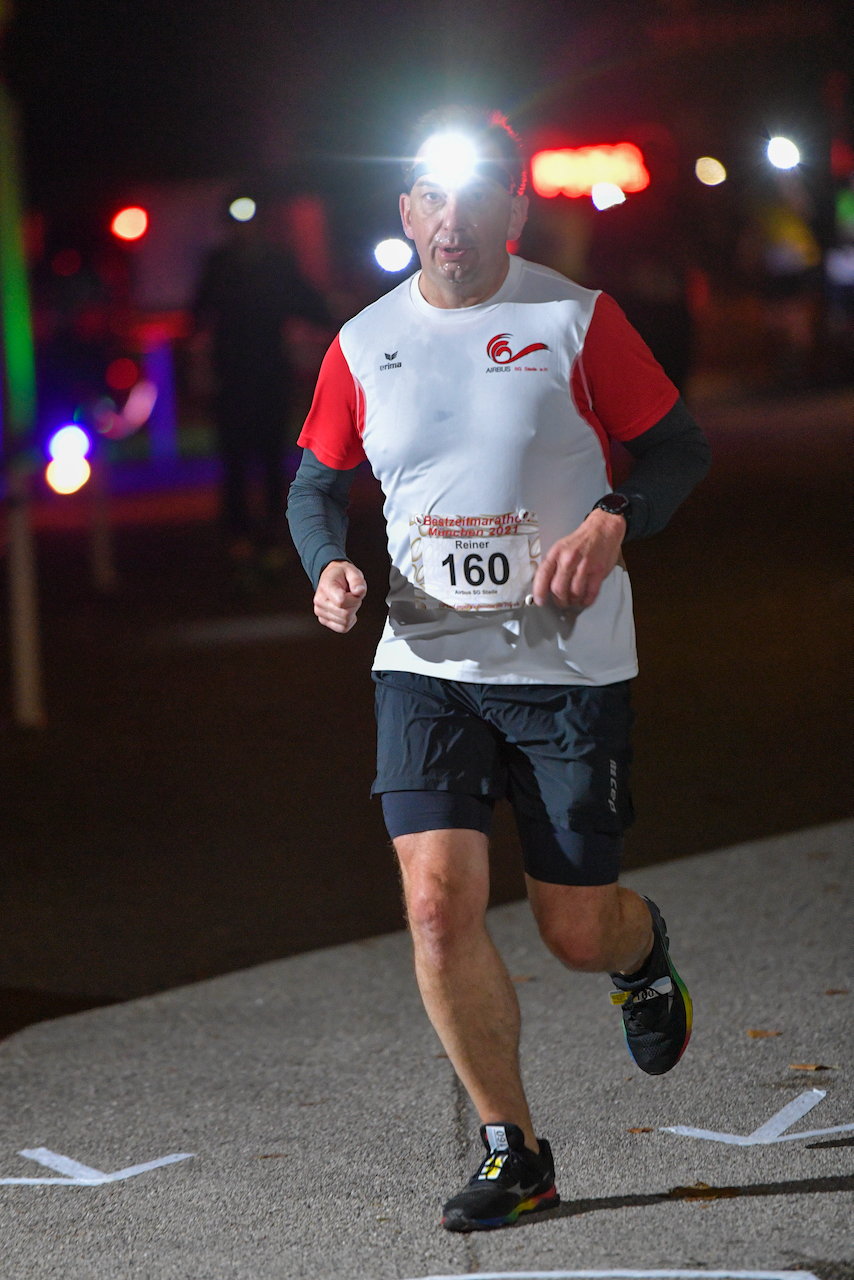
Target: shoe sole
pixel 457 1221
pixel 687 1003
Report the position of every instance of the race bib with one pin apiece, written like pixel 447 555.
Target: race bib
pixel 475 562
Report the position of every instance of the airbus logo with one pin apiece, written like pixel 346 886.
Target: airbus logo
pixel 501 354
pixel 392 361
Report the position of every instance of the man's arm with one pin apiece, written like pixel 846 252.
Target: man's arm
pixel 672 457
pixel 620 388
pixel 317 515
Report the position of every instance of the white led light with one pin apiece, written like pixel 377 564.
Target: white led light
pixel 393 255
pixel 783 153
pixel 451 157
pixel 69 442
pixel 242 209
pixel 606 194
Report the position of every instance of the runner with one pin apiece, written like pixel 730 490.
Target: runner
pixel 484 392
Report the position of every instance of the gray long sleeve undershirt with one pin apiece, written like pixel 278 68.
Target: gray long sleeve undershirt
pixel 672 457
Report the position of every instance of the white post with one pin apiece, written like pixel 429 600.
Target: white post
pixel 27 700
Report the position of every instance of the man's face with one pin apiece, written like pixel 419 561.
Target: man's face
pixel 461 232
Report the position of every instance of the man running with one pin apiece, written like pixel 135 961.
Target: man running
pixel 484 392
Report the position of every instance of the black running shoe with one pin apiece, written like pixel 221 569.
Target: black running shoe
pixel 656 1006
pixel 510 1181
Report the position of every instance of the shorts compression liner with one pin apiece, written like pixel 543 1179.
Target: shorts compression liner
pixel 554 854
pixel 408 812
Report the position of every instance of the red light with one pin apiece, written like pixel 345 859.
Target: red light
pixel 130 223
pixel 575 171
pixel 66 263
pixel 121 374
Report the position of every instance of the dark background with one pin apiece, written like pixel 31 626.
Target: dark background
pixel 187 811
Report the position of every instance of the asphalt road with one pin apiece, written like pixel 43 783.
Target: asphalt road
pixel 325 1127
pixel 198 805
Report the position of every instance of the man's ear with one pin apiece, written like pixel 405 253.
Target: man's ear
pixel 404 216
pixel 518 217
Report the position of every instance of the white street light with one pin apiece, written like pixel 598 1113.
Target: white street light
pixel 783 153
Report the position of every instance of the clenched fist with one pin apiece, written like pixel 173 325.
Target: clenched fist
pixel 339 593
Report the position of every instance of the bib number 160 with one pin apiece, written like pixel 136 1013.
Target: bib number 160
pixel 498 569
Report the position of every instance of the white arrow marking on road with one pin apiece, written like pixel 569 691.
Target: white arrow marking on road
pixel 630 1275
pixel 80 1175
pixel 773 1130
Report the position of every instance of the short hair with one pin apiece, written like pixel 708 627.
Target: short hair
pixel 480 123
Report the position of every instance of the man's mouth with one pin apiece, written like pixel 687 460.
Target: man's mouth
pixel 453 252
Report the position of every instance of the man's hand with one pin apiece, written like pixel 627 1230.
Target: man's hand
pixel 575 568
pixel 339 593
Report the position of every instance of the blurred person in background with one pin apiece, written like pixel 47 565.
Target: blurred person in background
pixel 782 255
pixel 249 288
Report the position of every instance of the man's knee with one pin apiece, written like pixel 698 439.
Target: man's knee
pixel 446 886
pixel 576 923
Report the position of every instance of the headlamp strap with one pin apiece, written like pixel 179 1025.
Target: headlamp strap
pixel 482 169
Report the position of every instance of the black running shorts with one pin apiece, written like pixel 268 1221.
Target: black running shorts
pixel 447 750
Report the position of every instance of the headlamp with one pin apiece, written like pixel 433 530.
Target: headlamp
pixel 451 159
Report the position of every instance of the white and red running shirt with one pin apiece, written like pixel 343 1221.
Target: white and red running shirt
pixel 488 429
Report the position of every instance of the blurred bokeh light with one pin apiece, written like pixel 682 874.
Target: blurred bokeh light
pixel 130 223
pixel 242 209
pixel 783 153
pixel 710 171
pixel 121 374
pixel 606 194
pixel 68 470
pixel 576 171
pixel 393 255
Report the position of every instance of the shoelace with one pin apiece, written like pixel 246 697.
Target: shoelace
pixel 500 1167
pixel 634 1008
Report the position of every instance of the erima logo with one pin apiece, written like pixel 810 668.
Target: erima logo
pixel 393 362
pixel 499 351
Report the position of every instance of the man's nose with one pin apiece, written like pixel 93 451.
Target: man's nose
pixel 455 213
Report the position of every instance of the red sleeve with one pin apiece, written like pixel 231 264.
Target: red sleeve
pixel 616 380
pixel 336 419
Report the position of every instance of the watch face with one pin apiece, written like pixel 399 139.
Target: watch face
pixel 617 504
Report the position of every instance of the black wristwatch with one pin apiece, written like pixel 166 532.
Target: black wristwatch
pixel 616 504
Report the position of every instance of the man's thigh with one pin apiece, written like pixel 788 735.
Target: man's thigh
pixel 568 756
pixel 586 911
pixel 432 738
pixel 445 877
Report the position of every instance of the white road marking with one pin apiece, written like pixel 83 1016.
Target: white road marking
pixel 629 1275
pixel 772 1130
pixel 277 626
pixel 81 1175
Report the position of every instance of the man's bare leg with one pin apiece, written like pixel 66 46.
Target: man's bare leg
pixel 464 984
pixel 594 928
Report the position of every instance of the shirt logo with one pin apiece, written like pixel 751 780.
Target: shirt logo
pixel 499 352
pixel 393 362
